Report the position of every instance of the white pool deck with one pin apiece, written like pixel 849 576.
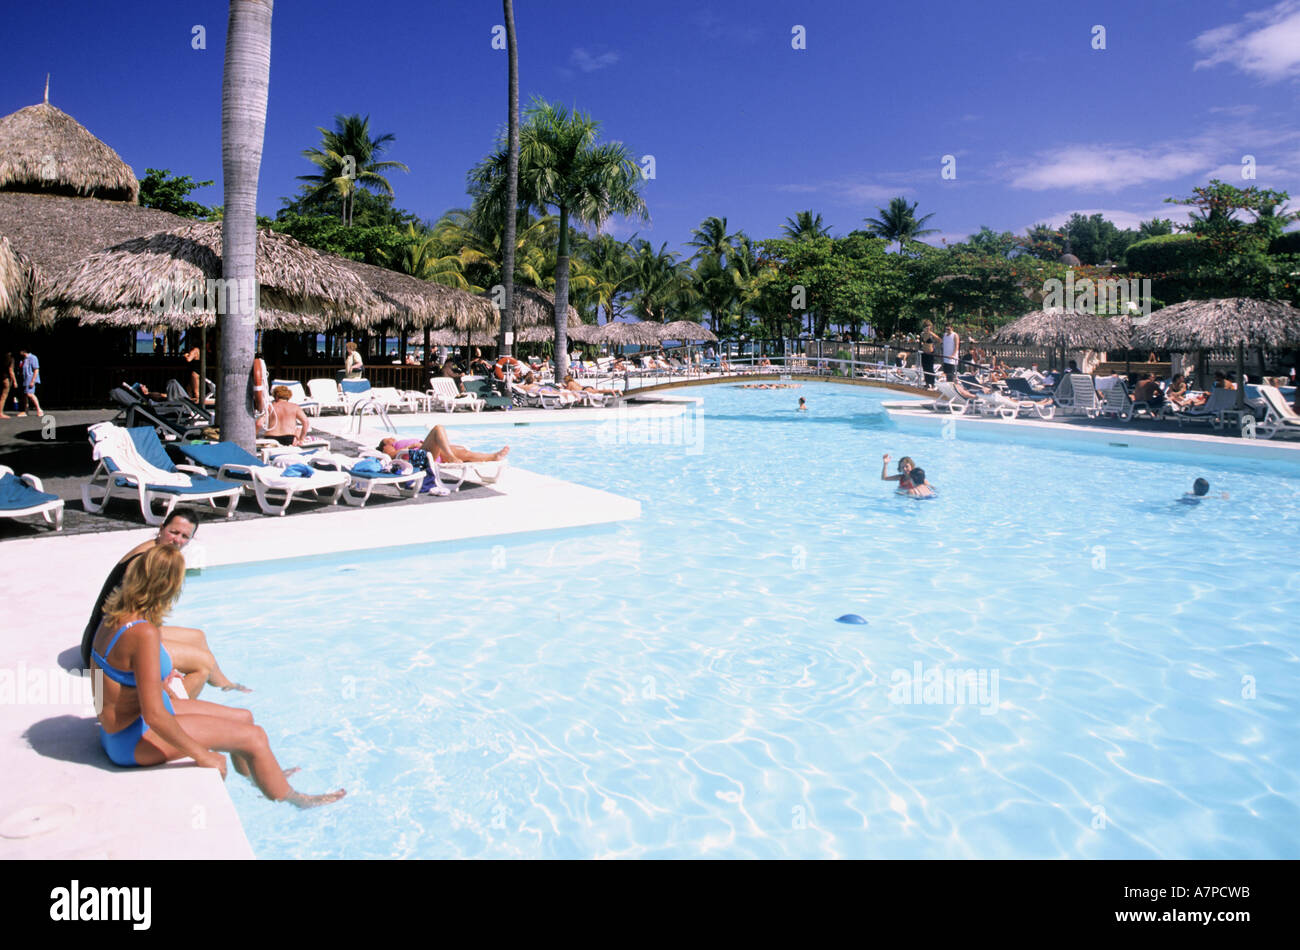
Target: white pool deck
pixel 915 414
pixel 60 797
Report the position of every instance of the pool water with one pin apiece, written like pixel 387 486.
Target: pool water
pixel 1059 659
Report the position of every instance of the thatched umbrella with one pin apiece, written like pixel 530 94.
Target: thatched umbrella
pixel 412 303
pixel 17 281
pixel 1227 323
pixel 135 318
pixel 168 271
pixel 45 150
pixel 1063 329
pixel 687 331
pixel 627 334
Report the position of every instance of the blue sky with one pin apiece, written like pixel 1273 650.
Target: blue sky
pixel 740 124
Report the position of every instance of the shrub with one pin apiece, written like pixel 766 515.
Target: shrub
pixel 1168 253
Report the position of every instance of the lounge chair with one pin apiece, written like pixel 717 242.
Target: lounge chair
pixel 483 390
pixel 326 394
pixel 1020 387
pixel 1219 409
pixel 23 495
pixel 1279 417
pixel 952 400
pixel 1076 393
pixel 297 395
pixel 168 422
pixel 455 474
pixel 363 480
pixel 267 479
pixel 179 398
pixel 444 392
pixel 1112 392
pixel 134 462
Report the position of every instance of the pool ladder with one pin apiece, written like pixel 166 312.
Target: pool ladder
pixel 374 407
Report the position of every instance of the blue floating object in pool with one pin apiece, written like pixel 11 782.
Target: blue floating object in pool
pixel 849 618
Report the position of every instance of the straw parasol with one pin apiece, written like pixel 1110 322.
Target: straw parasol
pixel 1222 324
pixel 1064 329
pixel 17 281
pixel 687 331
pixel 627 334
pixel 45 150
pixel 162 273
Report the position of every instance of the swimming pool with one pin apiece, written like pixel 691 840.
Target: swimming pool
pixel 1059 660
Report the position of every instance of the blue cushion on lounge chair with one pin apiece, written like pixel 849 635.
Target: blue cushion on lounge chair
pixel 16 494
pixel 217 454
pixel 355 385
pixel 200 485
pixel 150 448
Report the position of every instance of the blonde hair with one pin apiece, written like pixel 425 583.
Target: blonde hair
pixel 351 347
pixel 281 392
pixel 150 588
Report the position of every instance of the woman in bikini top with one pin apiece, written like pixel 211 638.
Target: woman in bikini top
pixel 139 724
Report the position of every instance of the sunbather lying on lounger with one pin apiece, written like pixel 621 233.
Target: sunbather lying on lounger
pixel 188 647
pixel 437 444
pixel 573 385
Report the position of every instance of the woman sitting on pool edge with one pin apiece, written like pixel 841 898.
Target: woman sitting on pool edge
pixel 138 722
pixel 905 466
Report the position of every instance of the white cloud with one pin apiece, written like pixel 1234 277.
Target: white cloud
pixel 1234 111
pixel 1265 44
pixel 589 62
pixel 856 191
pixel 1108 168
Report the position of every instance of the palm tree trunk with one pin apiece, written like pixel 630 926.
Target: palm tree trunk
pixel 562 298
pixel 243 124
pixel 512 182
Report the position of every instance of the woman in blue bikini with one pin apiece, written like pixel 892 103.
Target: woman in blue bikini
pixel 139 724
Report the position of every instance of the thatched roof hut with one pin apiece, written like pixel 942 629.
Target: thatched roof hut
pixel 174 270
pixel 415 304
pixel 44 150
pixel 534 307
pixel 17 281
pixel 1221 324
pixel 1068 329
pixel 687 331
pixel 143 318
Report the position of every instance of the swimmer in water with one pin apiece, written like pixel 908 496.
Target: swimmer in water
pixel 905 466
pixel 1200 489
pixel 920 487
pixel 803 405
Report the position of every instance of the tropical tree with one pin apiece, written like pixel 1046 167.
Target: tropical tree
pixel 899 223
pixel 657 280
pixel 609 263
pixel 562 166
pixel 348 159
pixel 167 192
pixel 805 224
pixel 244 85
pixel 512 179
pixel 424 257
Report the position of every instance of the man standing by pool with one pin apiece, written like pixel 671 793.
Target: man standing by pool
pixel 31 368
pixel 951 347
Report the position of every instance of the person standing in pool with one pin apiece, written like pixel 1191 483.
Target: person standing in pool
pixel 919 487
pixel 905 466
pixel 1200 489
pixel 803 405
pixel 139 724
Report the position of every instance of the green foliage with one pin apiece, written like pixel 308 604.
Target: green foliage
pixel 1094 240
pixel 166 192
pixel 1286 244
pixel 899 223
pixel 373 245
pixel 1168 253
pixel 348 161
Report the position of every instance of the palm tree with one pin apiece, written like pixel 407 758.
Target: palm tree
pixel 561 166
pixel 609 262
pixel 512 180
pixel 658 281
pixel 803 225
pixel 423 257
pixel 244 85
pixel 346 158
pixel 899 223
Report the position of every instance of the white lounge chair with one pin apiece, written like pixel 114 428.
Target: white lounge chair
pixel 268 479
pixel 444 392
pixel 23 495
pixel 1279 417
pixel 134 462
pixel 952 400
pixel 363 481
pixel 327 395
pixel 1076 393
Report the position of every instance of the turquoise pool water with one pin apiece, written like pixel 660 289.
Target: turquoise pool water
pixel 1059 661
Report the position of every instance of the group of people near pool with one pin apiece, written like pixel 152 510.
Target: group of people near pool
pixel 140 659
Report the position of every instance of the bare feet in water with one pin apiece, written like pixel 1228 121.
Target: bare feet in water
pixel 239 686
pixel 313 801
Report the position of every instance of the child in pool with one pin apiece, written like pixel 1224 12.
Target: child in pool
pixel 919 487
pixel 1200 489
